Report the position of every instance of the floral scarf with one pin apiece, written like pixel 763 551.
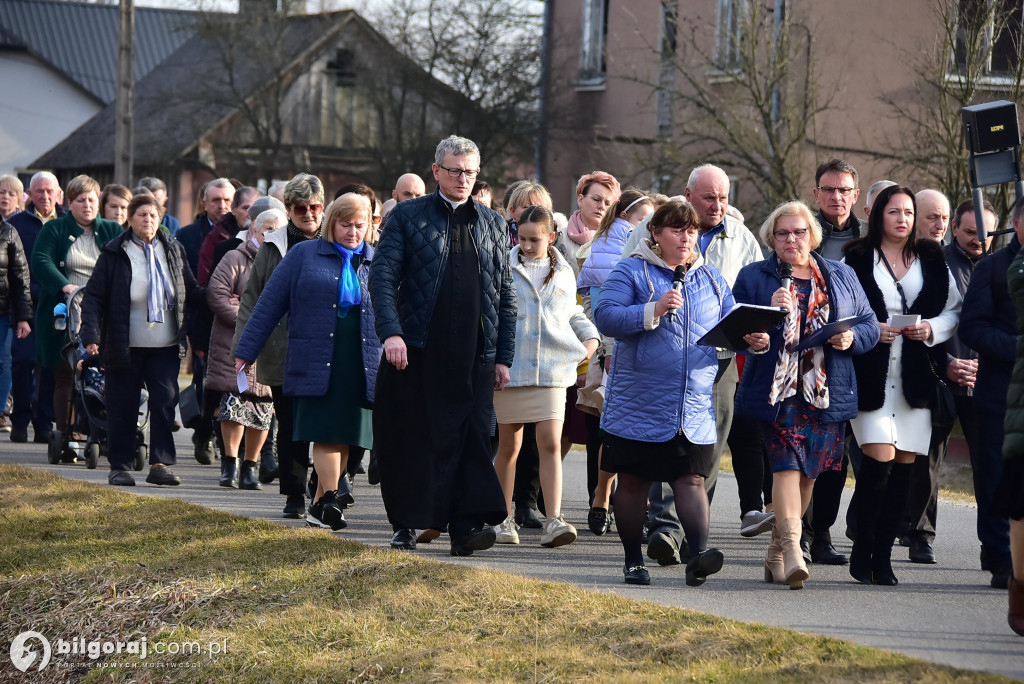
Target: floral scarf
pixel 807 366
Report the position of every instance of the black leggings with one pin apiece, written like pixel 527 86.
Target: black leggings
pixel 630 499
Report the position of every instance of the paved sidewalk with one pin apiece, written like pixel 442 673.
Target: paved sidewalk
pixel 945 613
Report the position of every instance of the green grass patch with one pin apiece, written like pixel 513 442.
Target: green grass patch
pixel 87 561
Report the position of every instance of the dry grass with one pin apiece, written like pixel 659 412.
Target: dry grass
pixel 301 605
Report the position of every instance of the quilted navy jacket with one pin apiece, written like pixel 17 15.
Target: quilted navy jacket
pixel 305 286
pixel 409 264
pixel 661 379
pixel 755 285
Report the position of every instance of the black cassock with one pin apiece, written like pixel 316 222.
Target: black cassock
pixel 432 420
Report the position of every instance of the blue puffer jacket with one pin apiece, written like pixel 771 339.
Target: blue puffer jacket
pixel 605 252
pixel 411 258
pixel 661 379
pixel 755 285
pixel 305 286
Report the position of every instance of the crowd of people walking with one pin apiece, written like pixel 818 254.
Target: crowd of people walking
pixel 466 350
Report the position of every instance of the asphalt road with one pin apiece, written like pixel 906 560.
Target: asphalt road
pixel 945 613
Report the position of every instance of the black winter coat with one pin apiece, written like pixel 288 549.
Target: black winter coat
pixel 106 307
pixel 15 284
pixel 410 261
pixel 988 325
pixel 917 358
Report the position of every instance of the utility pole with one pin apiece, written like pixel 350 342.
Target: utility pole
pixel 125 91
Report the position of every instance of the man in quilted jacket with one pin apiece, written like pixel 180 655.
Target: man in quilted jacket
pixel 446 313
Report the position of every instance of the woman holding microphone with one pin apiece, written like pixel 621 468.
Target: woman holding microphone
pixel 802 398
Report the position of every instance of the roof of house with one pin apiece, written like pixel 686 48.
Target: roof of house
pixel 79 40
pixel 178 102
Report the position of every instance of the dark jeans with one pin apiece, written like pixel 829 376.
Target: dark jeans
pixel 292 456
pixel 593 454
pixel 31 387
pixel 993 529
pixel 750 464
pixel 922 500
pixel 157 369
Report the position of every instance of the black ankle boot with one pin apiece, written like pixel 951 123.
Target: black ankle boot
pixel 247 479
pixel 229 471
pixel 268 466
pixel 869 493
pixel 890 517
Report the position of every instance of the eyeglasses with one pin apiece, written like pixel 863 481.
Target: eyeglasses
pixel 600 200
pixel 301 209
pixel 784 235
pixel 470 174
pixel 828 190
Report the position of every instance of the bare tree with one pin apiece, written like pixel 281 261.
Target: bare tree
pixel 746 100
pixel 976 58
pixel 486 50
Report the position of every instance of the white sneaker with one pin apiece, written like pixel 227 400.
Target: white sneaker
pixel 557 532
pixel 505 533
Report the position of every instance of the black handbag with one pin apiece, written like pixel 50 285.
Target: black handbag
pixel 188 404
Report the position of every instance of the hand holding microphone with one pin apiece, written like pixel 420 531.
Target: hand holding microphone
pixel 782 297
pixel 677 286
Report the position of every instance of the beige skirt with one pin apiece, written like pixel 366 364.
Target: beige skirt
pixel 529 404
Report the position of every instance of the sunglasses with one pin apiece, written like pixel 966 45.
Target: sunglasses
pixel 301 209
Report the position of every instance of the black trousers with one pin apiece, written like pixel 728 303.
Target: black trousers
pixel 292 456
pixel 526 491
pixel 31 387
pixel 750 464
pixel 922 500
pixel 157 369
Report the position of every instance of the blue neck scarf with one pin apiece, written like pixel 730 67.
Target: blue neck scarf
pixel 160 297
pixel 349 292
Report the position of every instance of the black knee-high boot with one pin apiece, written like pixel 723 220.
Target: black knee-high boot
pixel 890 517
pixel 869 494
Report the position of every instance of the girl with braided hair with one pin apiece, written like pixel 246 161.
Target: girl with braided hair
pixel 553 336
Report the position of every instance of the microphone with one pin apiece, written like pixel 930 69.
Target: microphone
pixel 677 285
pixel 786 271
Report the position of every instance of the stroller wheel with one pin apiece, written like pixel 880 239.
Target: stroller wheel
pixel 54 448
pixel 92 455
pixel 141 456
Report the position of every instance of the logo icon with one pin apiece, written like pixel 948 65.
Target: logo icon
pixel 24 654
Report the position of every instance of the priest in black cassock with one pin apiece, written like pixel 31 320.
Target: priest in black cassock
pixel 445 309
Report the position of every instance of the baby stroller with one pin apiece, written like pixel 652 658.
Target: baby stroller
pixel 87 411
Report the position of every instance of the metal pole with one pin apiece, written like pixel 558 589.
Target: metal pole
pixel 125 87
pixel 979 217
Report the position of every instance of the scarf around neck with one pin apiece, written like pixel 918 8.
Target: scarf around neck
pixel 349 292
pixel 807 366
pixel 578 231
pixel 160 296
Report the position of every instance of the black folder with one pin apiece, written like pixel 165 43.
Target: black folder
pixel 821 336
pixel 743 320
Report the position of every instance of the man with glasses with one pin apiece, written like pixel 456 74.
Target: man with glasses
pixel 836 192
pixel 445 310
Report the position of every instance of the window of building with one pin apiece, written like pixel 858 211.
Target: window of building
pixel 346 122
pixel 733 16
pixel 988 38
pixel 593 62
